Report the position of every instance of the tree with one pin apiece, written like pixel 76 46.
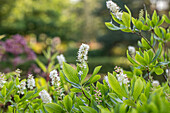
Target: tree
pixel 34 16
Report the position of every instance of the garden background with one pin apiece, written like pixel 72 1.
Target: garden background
pixel 63 25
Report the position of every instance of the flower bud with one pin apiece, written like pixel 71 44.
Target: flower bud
pixel 131 50
pixel 155 83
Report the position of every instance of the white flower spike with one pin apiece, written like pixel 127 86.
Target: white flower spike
pixel 82 54
pixel 61 59
pixel 45 96
pixel 2 80
pixel 30 81
pixel 22 87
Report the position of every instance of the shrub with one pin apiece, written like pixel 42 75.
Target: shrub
pixel 121 91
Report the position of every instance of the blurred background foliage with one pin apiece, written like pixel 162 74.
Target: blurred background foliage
pixel 69 23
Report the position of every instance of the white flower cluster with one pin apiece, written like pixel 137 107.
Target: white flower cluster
pixel 45 96
pixel 55 79
pixel 30 81
pixel 22 87
pixel 82 54
pixel 61 59
pixel 114 8
pixel 155 83
pixel 121 77
pixel 2 80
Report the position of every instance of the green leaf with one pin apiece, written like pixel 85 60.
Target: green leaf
pixel 145 27
pixel 140 59
pixel 128 73
pixel 16 98
pixel 140 52
pixel 145 44
pixel 154 18
pixel 153 107
pixel 137 89
pixel 17 81
pixel 31 110
pixel 126 19
pixel 134 21
pixel 96 70
pixel 10 88
pixel 75 90
pixel 112 26
pixel 85 72
pixel 152 41
pixel 50 66
pixel 122 108
pixel 27 95
pixel 163 32
pixel 157 54
pixel 54 56
pixel 146 57
pixel 140 44
pixel 129 102
pixel 41 65
pixel 161 21
pixel 143 98
pixel 115 85
pixel 128 10
pixel 167 37
pixel 3 91
pixel 158 32
pixel 148 21
pixel 53 108
pixel 166 19
pixel 137 72
pixel 87 109
pixel 95 78
pixel 102 88
pixel 131 60
pixel 150 53
pixel 139 25
pixel 126 29
pixel 151 23
pixel 115 97
pixel 115 19
pixel 159 71
pixel 100 107
pixel 162 63
pixel 70 73
pixel 105 110
pixel 72 83
pixel 68 103
pixel 147 89
pixel 35 106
